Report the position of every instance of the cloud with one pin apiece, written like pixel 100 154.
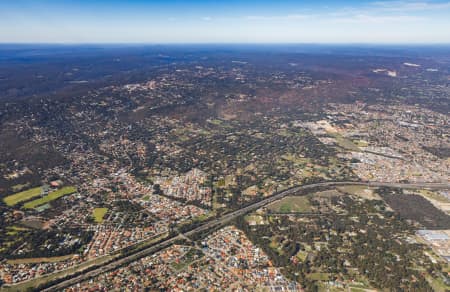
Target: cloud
pixel 382 19
pixel 410 5
pixel 280 17
pixel 207 18
pixel 376 12
pixel 343 16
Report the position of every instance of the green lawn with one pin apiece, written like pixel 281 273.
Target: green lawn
pixel 319 276
pixel 202 217
pixel 99 213
pixel 50 197
pixel 17 228
pixel 302 255
pixel 22 196
pixel 14 230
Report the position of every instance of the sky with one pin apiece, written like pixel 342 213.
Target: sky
pixel 224 21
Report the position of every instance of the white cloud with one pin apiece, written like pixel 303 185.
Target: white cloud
pixel 382 19
pixel 207 18
pixel 376 12
pixel 410 5
pixel 281 17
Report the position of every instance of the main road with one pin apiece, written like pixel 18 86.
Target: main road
pixel 225 219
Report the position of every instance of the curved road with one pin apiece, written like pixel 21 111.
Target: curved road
pixel 225 219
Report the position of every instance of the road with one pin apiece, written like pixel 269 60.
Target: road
pixel 227 218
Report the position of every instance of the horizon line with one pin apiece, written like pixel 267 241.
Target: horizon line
pixel 228 43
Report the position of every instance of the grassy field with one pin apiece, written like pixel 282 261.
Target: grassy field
pixel 319 276
pixel 437 284
pixel 39 260
pixel 17 228
pixel 291 204
pixel 99 213
pixel 203 217
pixel 50 197
pixel 361 191
pixel 302 255
pixel 434 196
pixel 344 142
pixel 13 230
pixel 274 244
pixel 352 189
pixel 22 196
pixel 360 143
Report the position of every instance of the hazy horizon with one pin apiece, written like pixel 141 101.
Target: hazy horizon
pixel 225 22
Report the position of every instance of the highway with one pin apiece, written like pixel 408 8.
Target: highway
pixel 227 218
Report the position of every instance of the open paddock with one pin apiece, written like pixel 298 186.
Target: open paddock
pixel 291 204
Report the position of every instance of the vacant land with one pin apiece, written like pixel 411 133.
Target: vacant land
pixel 22 196
pixel 254 219
pixel 417 208
pixel 99 213
pixel 39 260
pixel 439 201
pixel 434 196
pixel 319 276
pixel 361 191
pixel 344 142
pixel 291 204
pixel 50 197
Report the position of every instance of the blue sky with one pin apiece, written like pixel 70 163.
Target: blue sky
pixel 230 21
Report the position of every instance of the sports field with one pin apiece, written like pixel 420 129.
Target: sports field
pixel 99 213
pixel 50 197
pixel 22 196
